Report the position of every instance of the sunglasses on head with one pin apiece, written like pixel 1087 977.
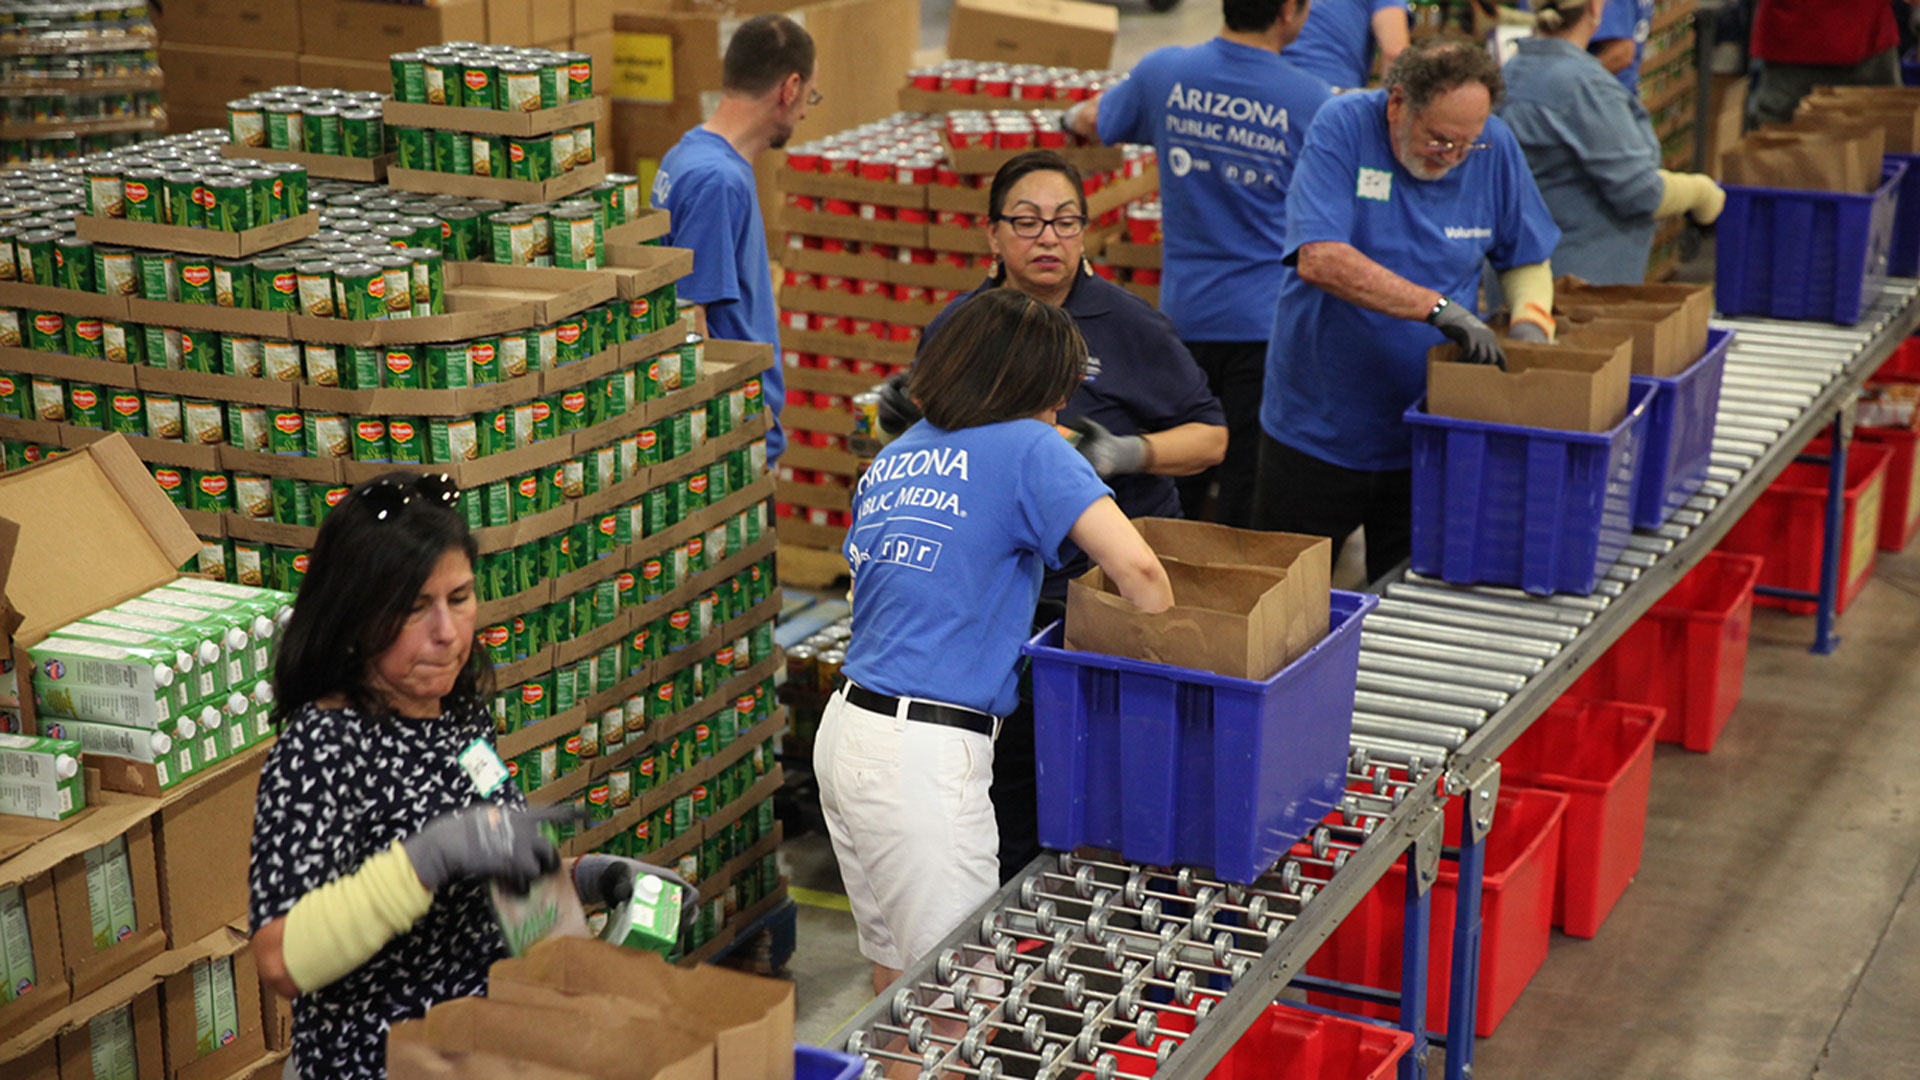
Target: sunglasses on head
pixel 387 497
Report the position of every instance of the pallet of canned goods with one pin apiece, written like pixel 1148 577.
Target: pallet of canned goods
pixel 527 86
pixel 513 168
pixel 334 133
pixel 75 77
pixel 183 196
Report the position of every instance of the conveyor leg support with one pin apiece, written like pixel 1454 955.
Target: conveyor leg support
pixel 1824 639
pixel 1480 791
pixel 1415 929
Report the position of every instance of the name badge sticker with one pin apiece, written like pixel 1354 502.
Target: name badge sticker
pixel 483 767
pixel 1375 184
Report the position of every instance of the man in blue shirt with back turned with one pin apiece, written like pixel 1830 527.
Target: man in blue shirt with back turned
pixel 1226 119
pixel 1399 197
pixel 706 183
pixel 1341 37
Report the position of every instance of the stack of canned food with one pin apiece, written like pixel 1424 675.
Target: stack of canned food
pixel 310 120
pixel 485 230
pixel 53 50
pixel 185 182
pixel 1019 82
pixel 464 74
pixel 535 158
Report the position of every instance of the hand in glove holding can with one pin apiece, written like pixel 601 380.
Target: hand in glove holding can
pixel 1110 454
pixel 897 410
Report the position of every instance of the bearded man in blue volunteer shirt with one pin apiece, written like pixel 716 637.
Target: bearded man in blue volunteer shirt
pixel 706 183
pixel 1226 119
pixel 1399 196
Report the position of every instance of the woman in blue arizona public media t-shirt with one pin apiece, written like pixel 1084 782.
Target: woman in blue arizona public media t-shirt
pixel 952 526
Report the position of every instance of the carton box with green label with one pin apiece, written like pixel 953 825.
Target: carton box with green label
pixel 40 777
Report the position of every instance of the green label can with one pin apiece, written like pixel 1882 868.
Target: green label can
pixel 574 246
pixel 497 640
pixel 446 367
pixel 530 157
pixel 183 200
pixel 209 492
pixel 127 413
pixel 86 338
pixel 442 76
pixel 429 281
pixel 233 283
pixel 478 77
pixel 409 77
pixel 322 364
pixel 526 496
pixel 227 202
pixel 451 440
pixel 143 194
pixel 411 149
pixel 405 439
pixel 196 278
pixel 579 75
pixel 397 285
pixel 362 133
pixel 482 361
pixel 370 440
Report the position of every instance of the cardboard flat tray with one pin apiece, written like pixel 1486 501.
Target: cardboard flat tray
pixel 140 234
pixel 328 166
pixel 489 187
pixel 651 224
pixel 493 121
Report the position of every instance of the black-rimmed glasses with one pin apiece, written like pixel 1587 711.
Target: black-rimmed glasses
pixel 387 497
pixel 1028 227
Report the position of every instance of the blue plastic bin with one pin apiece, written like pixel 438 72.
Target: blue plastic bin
pixel 1678 443
pixel 1176 766
pixel 1909 69
pixel 1545 510
pixel 1903 250
pixel 1815 255
pixel 813 1063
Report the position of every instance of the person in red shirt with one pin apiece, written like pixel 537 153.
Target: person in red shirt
pixel 1809 43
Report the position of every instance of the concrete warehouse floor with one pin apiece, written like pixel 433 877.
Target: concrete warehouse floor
pixel 1774 929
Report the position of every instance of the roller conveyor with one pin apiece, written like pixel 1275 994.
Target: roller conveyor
pixel 1449 677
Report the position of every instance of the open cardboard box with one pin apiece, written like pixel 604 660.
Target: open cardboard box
pixel 1574 385
pixel 371 170
pixel 1230 620
pixel 143 1012
pixel 593 1037
pixel 748 1020
pixel 1306 561
pixel 241 1045
pixel 87 967
pixel 51 991
pixel 1053 33
pixel 232 245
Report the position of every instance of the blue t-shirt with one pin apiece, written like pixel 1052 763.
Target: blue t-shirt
pixel 1140 379
pixel 1227 121
pixel 708 188
pixel 1337 43
pixel 950 532
pixel 1339 376
pixel 1630 19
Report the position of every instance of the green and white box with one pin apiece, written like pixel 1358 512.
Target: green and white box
pixel 94 680
pixel 40 777
pixel 16 946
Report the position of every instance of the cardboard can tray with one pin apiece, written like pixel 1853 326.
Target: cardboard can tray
pixel 493 187
pixel 482 299
pixel 651 224
pixel 231 245
pixel 325 166
pixel 493 121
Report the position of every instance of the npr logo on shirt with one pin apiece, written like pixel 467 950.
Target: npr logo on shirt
pixel 904 549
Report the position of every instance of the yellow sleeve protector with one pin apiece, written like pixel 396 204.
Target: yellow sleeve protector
pixel 1529 292
pixel 342 924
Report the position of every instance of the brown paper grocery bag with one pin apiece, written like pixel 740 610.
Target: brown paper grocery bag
pixel 1658 331
pixel 1805 162
pixel 554 1029
pixel 418 1061
pixel 1230 620
pixel 1696 304
pixel 1306 562
pixel 1568 386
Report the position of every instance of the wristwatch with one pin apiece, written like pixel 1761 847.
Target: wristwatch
pixel 1439 306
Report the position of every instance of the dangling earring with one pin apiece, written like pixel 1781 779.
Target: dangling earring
pixel 1086 267
pixel 994 269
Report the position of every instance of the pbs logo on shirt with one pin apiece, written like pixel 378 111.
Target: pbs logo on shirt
pixel 1180 160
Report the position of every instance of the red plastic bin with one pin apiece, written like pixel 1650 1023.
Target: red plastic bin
pixel 1784 526
pixel 1900 513
pixel 1286 1043
pixel 1600 753
pixel 1688 654
pixel 1516 914
pixel 1904 364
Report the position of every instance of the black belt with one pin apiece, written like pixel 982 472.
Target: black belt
pixel 927 712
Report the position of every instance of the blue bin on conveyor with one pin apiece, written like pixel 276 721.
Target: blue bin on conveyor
pixel 1678 444
pixel 1815 255
pixel 1174 766
pixel 1535 508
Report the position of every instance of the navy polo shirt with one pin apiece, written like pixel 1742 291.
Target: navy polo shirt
pixel 1140 379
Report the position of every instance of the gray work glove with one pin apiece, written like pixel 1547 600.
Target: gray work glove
pixel 1527 330
pixel 1475 338
pixel 897 410
pixel 487 841
pixel 608 880
pixel 1110 454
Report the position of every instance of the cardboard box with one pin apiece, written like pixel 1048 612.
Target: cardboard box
pixel 142 1018
pixel 482 299
pixel 572 182
pixel 341 74
pixel 206 77
pixel 87 967
pixel 231 245
pixel 1053 33
pixel 592 17
pixel 748 1020
pixel 1229 620
pixel 1565 386
pixel 235 24
pixel 599 45
pixel 41 1063
pixel 494 121
pixel 543 1026
pixel 320 166
pixel 1306 561
pixel 276 1018
pixel 510 22
pixel 242 1044
pixel 204 830
pixel 50 991
pixel 418 1061
pixel 373 31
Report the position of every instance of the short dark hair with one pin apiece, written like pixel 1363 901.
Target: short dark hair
pixel 362 577
pixel 1253 16
pixel 1032 161
pixel 764 51
pixel 1426 71
pixel 1000 356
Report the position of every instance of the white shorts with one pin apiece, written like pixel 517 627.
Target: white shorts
pixel 907 807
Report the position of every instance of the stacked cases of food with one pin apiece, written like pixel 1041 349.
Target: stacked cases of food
pixel 885 226
pixel 1669 87
pixel 76 76
pixel 615 464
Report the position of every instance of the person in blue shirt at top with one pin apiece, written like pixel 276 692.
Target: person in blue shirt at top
pixel 1341 37
pixel 1592 149
pixel 1143 415
pixel 706 183
pixel 1399 196
pixel 1620 42
pixel 1226 119
pixel 953 526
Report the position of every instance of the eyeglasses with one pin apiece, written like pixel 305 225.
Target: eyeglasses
pixel 1028 227
pixel 1444 146
pixel 814 97
pixel 387 497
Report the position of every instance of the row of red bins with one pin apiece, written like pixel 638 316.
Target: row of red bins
pixel 1288 1043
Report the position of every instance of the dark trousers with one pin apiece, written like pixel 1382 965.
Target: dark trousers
pixel 1236 372
pixel 1015 791
pixel 1300 493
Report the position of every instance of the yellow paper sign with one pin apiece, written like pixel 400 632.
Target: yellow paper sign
pixel 643 67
